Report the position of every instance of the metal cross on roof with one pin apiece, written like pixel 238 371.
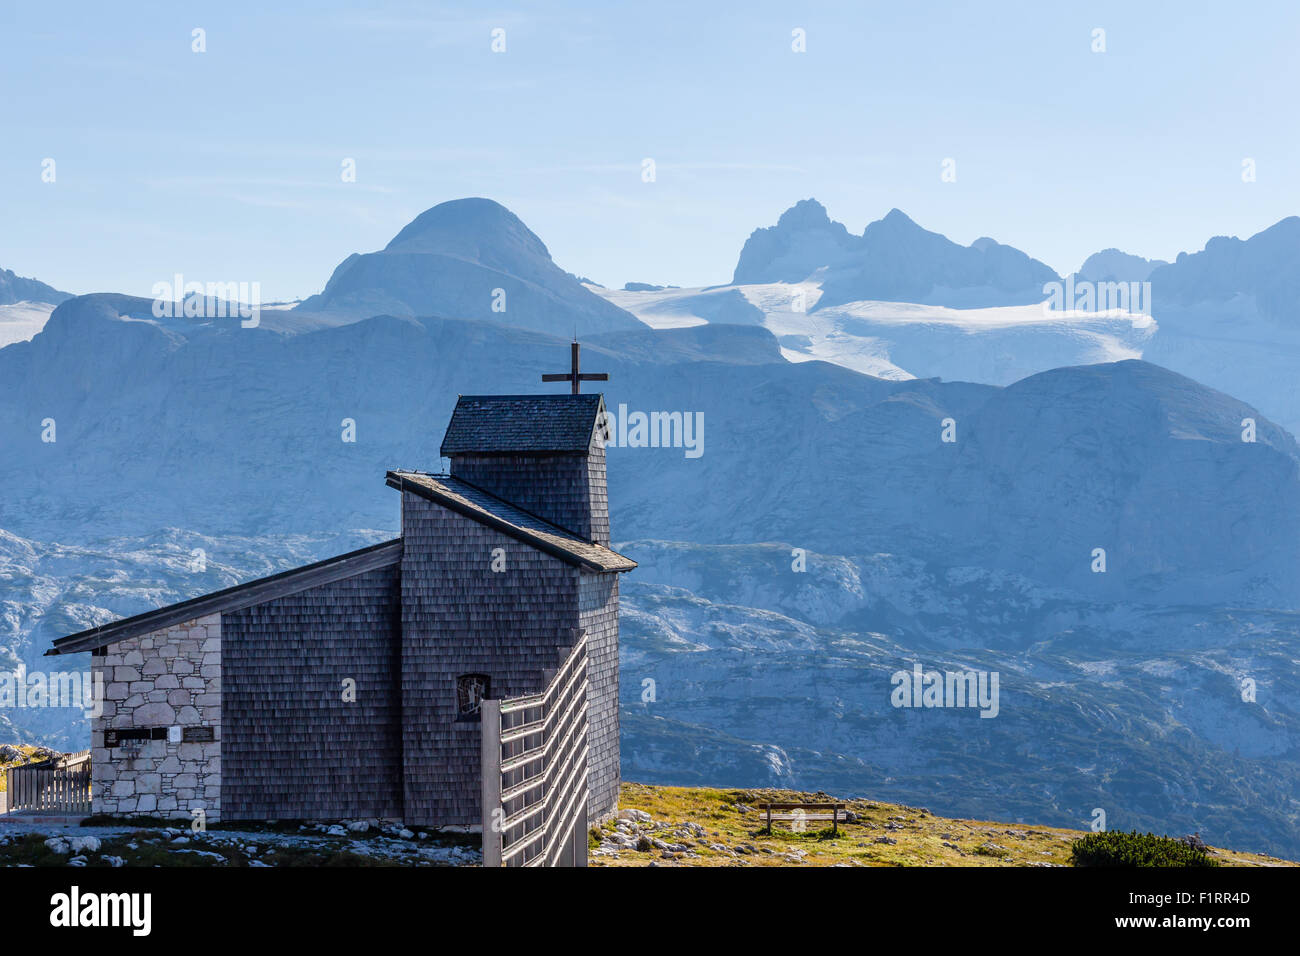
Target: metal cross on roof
pixel 574 376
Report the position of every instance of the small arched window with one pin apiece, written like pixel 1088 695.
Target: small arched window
pixel 471 691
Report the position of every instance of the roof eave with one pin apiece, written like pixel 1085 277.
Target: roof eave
pixel 398 481
pixel 233 598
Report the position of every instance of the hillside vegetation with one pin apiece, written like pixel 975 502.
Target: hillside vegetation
pixel 698 826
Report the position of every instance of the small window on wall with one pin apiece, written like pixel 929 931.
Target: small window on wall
pixel 471 690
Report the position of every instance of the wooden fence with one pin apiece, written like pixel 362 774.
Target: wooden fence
pixel 60 785
pixel 535 772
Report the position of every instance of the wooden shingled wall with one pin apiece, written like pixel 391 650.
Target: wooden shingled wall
pixel 293 748
pixel 597 483
pixel 598 617
pixel 554 487
pixel 461 617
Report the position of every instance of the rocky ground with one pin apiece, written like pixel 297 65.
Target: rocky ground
pixel 692 826
pixel 356 843
pixel 655 826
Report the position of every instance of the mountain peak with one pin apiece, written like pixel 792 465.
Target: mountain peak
pixel 805 214
pixel 15 288
pixel 804 239
pixel 894 259
pixel 1115 265
pixel 897 224
pixel 467 258
pixel 465 225
pixel 896 217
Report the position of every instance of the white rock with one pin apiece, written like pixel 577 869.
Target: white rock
pixel 88 843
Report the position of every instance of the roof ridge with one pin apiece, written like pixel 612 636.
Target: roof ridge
pixel 561 396
pixel 537 424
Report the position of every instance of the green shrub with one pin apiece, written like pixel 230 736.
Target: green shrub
pixel 1137 849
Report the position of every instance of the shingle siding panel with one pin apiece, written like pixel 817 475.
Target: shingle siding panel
pixel 598 493
pixel 472 501
pixel 557 488
pixel 598 616
pixel 293 748
pixel 461 617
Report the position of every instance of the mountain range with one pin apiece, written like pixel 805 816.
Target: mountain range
pixel 837 527
pixel 901 302
pixel 894 260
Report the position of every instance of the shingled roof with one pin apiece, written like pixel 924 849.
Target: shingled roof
pixel 232 599
pixel 522 423
pixel 473 502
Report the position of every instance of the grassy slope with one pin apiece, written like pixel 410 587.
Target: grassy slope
pixel 922 839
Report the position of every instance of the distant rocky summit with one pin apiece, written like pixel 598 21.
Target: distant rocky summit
pixel 1112 265
pixel 468 259
pixel 14 288
pixel 1264 269
pixel 894 260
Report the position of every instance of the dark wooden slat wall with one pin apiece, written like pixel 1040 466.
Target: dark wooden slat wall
pixel 460 617
pixel 598 616
pixel 598 493
pixel 554 487
pixel 292 747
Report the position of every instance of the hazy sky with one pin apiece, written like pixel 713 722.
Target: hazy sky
pixel 225 165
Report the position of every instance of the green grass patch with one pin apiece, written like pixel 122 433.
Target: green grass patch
pixel 1136 849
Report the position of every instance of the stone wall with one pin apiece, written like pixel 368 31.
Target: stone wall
pixel 167 679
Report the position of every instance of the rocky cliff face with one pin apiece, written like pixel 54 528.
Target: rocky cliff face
pixel 14 288
pixel 894 260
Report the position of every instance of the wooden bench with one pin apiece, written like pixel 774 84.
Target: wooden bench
pixel 790 812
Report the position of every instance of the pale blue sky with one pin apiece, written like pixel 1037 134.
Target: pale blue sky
pixel 225 165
